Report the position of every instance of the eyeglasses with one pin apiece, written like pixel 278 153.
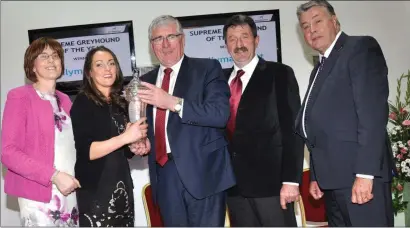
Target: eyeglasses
pixel 170 38
pixel 45 56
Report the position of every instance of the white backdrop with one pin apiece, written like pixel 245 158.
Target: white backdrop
pixel 387 21
pixel 74 54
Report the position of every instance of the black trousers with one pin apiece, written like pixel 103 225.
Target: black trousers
pixel 254 212
pixel 342 212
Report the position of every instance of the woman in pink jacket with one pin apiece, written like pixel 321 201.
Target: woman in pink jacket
pixel 37 141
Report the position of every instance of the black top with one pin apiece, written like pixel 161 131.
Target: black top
pixel 106 183
pixel 94 123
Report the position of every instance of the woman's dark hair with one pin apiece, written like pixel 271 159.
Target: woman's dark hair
pixel 89 88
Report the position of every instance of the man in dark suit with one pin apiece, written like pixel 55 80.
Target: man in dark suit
pixel 343 121
pixel 267 156
pixel 189 163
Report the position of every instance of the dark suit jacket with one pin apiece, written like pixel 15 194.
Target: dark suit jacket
pixel 265 151
pixel 197 140
pixel 347 115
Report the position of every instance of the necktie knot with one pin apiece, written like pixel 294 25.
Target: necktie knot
pixel 168 71
pixel 239 73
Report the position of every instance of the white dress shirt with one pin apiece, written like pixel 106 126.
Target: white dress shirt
pixel 249 69
pixel 173 78
pixel 326 54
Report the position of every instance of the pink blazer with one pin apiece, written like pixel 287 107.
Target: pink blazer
pixel 28 143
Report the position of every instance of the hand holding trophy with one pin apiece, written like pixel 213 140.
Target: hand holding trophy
pixel 136 110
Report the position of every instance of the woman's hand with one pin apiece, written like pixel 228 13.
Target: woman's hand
pixel 135 131
pixel 142 147
pixel 65 183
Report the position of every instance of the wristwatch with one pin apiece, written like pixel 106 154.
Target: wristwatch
pixel 178 106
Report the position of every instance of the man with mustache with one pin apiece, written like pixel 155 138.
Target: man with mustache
pixel 267 157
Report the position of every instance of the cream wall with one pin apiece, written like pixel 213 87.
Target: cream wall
pixel 407 3
pixel 387 21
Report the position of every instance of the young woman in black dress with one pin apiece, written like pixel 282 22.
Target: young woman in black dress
pixel 102 138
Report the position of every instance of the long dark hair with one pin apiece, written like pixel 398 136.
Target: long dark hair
pixel 89 88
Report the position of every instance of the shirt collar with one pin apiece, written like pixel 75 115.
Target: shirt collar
pixel 175 68
pixel 329 49
pixel 248 68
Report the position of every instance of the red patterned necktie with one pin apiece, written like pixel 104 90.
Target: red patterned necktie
pixel 236 93
pixel 160 144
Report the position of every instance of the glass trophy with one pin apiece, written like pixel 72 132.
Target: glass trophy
pixel 136 108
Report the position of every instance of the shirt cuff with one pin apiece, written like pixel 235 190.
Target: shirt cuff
pixel 365 176
pixel 182 108
pixel 291 183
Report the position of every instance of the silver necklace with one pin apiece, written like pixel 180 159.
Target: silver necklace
pixel 43 95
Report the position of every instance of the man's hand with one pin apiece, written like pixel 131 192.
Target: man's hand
pixel 288 194
pixel 314 190
pixel 141 147
pixel 157 97
pixel 362 190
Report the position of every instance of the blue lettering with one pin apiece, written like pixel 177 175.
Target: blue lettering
pixel 223 59
pixel 70 73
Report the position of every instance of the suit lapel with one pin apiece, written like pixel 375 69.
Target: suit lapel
pixel 183 81
pixel 45 116
pixel 254 82
pixel 312 74
pixel 227 73
pixel 183 78
pixel 253 85
pixel 152 77
pixel 327 68
pixel 250 94
pixel 298 121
